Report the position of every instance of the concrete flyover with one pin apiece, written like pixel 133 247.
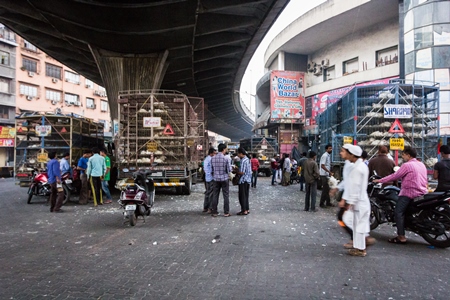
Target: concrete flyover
pixel 198 47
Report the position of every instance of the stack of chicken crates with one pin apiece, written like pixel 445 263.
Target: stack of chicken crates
pixel 362 116
pixel 163 127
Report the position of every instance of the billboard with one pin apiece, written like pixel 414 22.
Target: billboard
pixel 287 97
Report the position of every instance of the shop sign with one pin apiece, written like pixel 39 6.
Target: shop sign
pixel 348 140
pixel 396 143
pixel 7 132
pixel 42 157
pixel 152 146
pixel 287 97
pixel 6 142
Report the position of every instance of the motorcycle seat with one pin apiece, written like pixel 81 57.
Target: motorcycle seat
pixel 433 195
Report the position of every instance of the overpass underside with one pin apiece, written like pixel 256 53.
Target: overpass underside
pixel 198 47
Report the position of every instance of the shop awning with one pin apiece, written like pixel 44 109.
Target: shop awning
pixel 263 120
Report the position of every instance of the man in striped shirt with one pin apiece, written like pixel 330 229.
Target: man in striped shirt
pixel 413 174
pixel 221 167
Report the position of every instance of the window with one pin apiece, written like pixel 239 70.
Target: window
pixel 90 103
pixel 28 90
pixel 72 77
pixel 423 37
pixel 53 95
pixel 71 99
pixel 103 105
pixel 53 71
pixel 89 84
pixel 329 73
pixel 4 112
pixel 29 46
pixel 4 85
pixel 387 56
pixel 350 66
pixel 29 65
pixel 4 58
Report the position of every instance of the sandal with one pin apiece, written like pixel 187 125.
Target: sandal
pixel 396 241
pixel 227 215
pixel 241 213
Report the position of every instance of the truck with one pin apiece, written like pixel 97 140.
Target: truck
pixel 162 130
pixel 395 114
pixel 38 134
pixel 265 148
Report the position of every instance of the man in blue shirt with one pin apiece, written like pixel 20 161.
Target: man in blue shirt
pixel 95 171
pixel 245 171
pixel 221 167
pixel 82 166
pixel 209 181
pixel 64 164
pixel 54 179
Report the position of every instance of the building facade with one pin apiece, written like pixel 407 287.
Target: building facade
pixel 8 46
pixel 344 43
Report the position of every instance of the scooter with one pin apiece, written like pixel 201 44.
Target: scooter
pixel 137 199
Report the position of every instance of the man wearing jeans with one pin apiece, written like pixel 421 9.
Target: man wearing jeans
pixel 311 172
pixel 413 174
pixel 209 182
pixel 54 179
pixel 221 167
pixel 325 173
pixel 82 166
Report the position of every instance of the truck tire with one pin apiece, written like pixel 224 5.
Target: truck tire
pixel 268 173
pixel 187 186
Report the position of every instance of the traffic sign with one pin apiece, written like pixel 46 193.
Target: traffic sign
pixel 396 143
pixel 396 127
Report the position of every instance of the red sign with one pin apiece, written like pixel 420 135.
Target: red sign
pixel 6 142
pixel 287 97
pixel 396 127
pixel 168 130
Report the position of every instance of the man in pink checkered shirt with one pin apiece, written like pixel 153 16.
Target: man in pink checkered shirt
pixel 413 174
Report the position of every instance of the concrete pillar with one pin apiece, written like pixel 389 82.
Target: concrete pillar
pixel 129 72
pixel 281 61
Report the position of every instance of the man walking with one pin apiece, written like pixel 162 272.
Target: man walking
pixel 286 170
pixel 221 167
pixel 311 172
pixel 54 179
pixel 82 166
pixel 209 181
pixel 245 172
pixel 95 171
pixel 325 173
pixel 274 167
pixel 301 165
pixel 414 184
pixel 106 177
pixel 255 166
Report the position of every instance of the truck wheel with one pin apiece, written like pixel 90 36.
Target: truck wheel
pixel 187 186
pixel 268 173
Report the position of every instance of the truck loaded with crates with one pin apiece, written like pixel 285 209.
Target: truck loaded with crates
pixel 393 114
pixel 265 148
pixel 160 130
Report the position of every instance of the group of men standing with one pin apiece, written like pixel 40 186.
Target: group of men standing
pixel 217 167
pixel 94 173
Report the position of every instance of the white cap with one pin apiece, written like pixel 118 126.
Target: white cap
pixel 353 149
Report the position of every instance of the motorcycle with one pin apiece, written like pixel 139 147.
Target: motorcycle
pixel 428 216
pixel 137 199
pixel 295 175
pixel 40 187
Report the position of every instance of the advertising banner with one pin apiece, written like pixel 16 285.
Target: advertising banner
pixel 7 132
pixel 287 97
pixel 6 142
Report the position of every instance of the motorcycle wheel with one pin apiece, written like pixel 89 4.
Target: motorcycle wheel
pixel 30 195
pixel 66 194
pixel 441 215
pixel 133 219
pixel 374 215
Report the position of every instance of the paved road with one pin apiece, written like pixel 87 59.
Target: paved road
pixel 277 252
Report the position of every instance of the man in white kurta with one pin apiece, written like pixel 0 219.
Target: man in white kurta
pixel 356 199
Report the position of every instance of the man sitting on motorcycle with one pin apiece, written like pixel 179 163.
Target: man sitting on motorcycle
pixel 413 174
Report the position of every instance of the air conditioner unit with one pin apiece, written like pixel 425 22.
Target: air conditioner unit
pixel 325 62
pixel 78 83
pixel 31 74
pixel 54 80
pixel 87 85
pixel 310 66
pixel 58 110
pixel 318 70
pixel 94 106
pixel 77 103
pixel 54 102
pixel 29 98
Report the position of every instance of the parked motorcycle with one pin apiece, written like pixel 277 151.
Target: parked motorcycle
pixel 428 216
pixel 40 187
pixel 295 175
pixel 137 199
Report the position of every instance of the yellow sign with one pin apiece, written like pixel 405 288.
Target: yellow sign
pixel 152 146
pixel 190 143
pixel 348 140
pixel 42 157
pixel 396 143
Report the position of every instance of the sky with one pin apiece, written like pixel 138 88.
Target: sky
pixel 255 69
